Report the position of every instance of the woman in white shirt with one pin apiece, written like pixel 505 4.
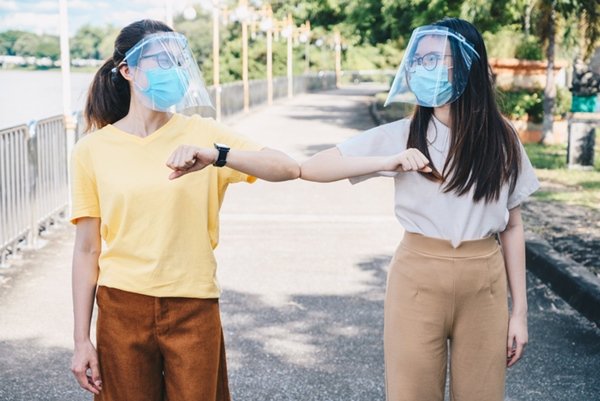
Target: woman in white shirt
pixel 460 174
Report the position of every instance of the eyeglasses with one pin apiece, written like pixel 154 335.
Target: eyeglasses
pixel 165 60
pixel 429 61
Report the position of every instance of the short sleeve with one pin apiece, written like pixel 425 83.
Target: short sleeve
pixel 226 136
pixel 84 193
pixel 527 183
pixel 384 140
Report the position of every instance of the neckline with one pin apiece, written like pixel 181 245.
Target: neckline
pixel 146 139
pixel 437 134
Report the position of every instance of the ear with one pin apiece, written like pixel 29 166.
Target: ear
pixel 126 72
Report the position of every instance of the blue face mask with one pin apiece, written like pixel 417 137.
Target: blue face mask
pixel 166 87
pixel 432 88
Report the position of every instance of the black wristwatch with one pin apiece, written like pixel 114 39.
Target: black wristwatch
pixel 222 158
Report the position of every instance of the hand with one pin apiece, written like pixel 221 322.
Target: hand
pixel 409 160
pixel 85 358
pixel 186 159
pixel 517 338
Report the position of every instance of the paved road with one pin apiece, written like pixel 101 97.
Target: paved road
pixel 303 269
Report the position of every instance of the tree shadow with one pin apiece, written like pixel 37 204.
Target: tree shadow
pixel 312 348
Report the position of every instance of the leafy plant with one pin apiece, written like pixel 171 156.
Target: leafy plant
pixel 529 49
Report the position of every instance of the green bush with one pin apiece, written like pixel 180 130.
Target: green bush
pixel 563 102
pixel 529 49
pixel 518 103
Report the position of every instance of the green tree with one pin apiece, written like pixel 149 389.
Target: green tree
pixel 27 44
pixel 86 42
pixel 8 40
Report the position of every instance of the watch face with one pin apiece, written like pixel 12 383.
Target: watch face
pixel 221 146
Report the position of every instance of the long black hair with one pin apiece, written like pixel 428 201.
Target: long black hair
pixel 109 94
pixel 484 149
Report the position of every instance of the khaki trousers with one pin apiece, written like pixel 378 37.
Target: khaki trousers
pixel 157 349
pixel 438 295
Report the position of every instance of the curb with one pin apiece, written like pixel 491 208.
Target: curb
pixel 567 278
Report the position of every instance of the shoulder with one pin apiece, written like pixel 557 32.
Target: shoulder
pixel 88 141
pixel 395 131
pixel 396 128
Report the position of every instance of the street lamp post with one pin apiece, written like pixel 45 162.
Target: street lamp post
pixel 338 58
pixel 65 67
pixel 267 26
pixel 242 13
pixel 289 33
pixel 216 60
pixel 304 37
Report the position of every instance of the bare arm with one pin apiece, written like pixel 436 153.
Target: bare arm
pixel 85 276
pixel 513 246
pixel 329 165
pixel 266 164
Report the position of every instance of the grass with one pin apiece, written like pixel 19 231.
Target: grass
pixel 572 187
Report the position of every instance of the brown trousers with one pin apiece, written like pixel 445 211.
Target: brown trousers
pixel 437 295
pixel 157 349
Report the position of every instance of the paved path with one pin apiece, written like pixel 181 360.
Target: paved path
pixel 303 269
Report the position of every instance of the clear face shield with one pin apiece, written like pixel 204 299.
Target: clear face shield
pixel 435 68
pixel 165 73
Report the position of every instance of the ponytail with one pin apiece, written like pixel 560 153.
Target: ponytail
pixel 108 97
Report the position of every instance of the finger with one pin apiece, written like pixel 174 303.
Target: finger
pixel 91 385
pixel 404 165
pixel 82 379
pixel 518 354
pixel 179 161
pixel 510 346
pixel 413 163
pixel 419 162
pixel 426 169
pixel 171 162
pixel 96 379
pixel 176 174
pixel 422 157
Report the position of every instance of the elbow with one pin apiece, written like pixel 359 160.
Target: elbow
pixel 284 172
pixel 290 172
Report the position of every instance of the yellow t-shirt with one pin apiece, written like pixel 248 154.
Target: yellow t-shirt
pixel 159 234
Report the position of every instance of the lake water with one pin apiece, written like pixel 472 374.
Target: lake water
pixel 33 95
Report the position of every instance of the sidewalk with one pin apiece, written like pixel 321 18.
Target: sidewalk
pixel 303 270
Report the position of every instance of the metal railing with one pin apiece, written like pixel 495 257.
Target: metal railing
pixel 34 161
pixel 14 187
pixel 33 181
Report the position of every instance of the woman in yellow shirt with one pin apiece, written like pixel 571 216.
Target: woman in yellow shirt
pixel 158 330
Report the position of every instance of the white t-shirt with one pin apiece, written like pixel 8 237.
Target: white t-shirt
pixel 421 205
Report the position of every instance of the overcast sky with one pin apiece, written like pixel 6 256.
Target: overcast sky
pixel 41 16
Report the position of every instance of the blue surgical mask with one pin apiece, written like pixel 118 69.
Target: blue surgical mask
pixel 166 87
pixel 432 88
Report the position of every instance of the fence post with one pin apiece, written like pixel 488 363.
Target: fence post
pixel 31 183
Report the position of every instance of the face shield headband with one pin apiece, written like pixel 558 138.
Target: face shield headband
pixel 435 68
pixel 165 74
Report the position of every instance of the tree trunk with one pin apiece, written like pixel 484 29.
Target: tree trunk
pixel 550 89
